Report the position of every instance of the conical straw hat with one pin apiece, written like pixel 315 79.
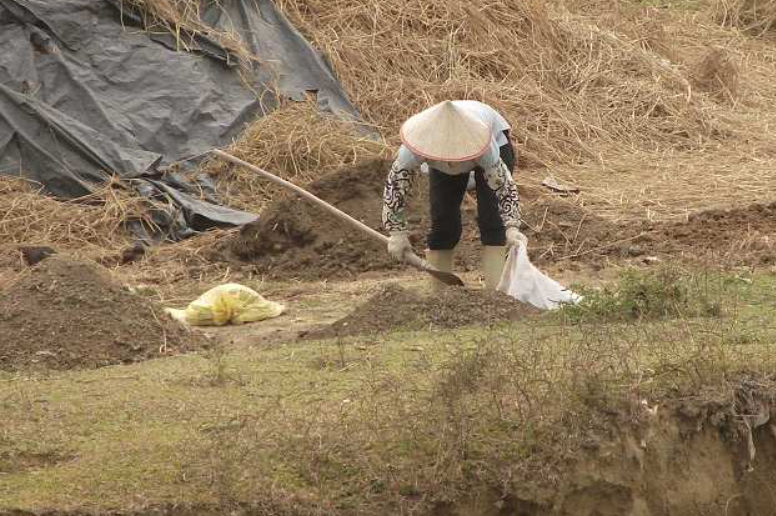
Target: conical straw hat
pixel 446 133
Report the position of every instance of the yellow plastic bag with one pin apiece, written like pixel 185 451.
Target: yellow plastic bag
pixel 227 304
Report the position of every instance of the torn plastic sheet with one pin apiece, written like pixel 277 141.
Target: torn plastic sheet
pixel 85 94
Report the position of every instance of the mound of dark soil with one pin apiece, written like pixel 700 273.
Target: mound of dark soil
pixel 557 228
pixel 294 238
pixel 742 235
pixel 395 308
pixel 67 314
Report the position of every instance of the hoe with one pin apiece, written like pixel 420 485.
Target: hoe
pixel 411 258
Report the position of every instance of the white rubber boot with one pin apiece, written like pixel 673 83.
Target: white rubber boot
pixel 493 259
pixel 441 261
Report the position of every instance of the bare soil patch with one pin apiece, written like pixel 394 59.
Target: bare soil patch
pixel 69 314
pixel 741 234
pixel 396 308
pixel 738 236
pixel 295 238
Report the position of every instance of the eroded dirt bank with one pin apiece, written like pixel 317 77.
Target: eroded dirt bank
pixel 673 470
pixel 682 459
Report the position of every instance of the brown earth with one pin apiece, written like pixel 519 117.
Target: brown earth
pixel 68 314
pixel 395 308
pixel 692 452
pixel 736 236
pixel 741 235
pixel 295 239
pixel 665 467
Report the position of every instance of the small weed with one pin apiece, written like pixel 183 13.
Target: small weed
pixel 142 290
pixel 218 373
pixel 333 356
pixel 661 294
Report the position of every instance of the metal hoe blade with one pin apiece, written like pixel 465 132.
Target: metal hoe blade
pixel 446 278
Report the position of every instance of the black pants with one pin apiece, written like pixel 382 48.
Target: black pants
pixel 447 193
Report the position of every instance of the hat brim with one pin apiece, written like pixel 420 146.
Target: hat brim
pixel 449 158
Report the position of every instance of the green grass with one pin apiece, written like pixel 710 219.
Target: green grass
pixel 374 425
pixel 659 293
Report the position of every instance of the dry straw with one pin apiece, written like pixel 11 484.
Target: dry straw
pixel 29 217
pixel 182 19
pixel 567 84
pixel 296 142
pixel 91 227
pixel 757 17
pixel 718 74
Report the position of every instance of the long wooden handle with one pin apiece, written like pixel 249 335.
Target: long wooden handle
pixel 307 195
pixel 410 257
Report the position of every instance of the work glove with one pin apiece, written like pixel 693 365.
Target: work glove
pixel 399 244
pixel 515 237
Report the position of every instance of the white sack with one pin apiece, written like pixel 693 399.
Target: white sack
pixel 528 284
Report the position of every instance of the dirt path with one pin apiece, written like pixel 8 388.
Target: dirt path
pixel 313 308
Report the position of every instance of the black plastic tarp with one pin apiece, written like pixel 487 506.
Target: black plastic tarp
pixel 86 93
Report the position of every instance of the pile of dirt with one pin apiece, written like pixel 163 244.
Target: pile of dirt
pixel 395 308
pixel 68 314
pixel 559 230
pixel 294 238
pixel 736 236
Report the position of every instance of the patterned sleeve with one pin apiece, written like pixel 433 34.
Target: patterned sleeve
pixel 397 187
pixel 500 180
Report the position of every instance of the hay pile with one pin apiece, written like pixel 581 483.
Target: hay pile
pixel 182 19
pixel 718 73
pixel 93 228
pixel 29 217
pixel 296 142
pixel 70 314
pixel 567 83
pixel 757 17
pixel 577 79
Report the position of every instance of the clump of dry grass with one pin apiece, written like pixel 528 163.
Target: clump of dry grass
pixel 718 74
pixel 296 142
pixel 756 17
pixel 94 228
pixel 31 218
